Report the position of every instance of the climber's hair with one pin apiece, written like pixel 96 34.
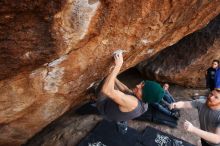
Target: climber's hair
pixel 215 60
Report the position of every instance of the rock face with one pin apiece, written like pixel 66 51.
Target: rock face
pixel 26 41
pixel 185 63
pixel 51 51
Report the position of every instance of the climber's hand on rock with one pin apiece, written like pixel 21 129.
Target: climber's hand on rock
pixel 118 59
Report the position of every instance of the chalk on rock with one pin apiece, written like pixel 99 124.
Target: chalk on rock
pixel 119 51
pixel 90 86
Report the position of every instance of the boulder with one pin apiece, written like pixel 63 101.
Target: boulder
pixel 51 51
pixel 185 63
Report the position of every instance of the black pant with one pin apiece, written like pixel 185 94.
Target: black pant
pixel 204 143
pixel 122 127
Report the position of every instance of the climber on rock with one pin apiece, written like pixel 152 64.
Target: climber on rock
pixel 116 102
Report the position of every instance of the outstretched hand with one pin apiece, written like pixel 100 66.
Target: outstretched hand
pixel 172 106
pixel 118 59
pixel 188 126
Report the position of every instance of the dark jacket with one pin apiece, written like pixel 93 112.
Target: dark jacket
pixel 210 78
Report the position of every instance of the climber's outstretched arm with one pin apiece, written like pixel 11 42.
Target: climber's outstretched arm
pixel 122 99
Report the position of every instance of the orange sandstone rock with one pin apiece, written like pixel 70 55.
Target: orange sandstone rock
pixel 51 51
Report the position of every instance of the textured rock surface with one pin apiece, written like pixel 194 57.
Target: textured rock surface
pixel 25 35
pixel 52 50
pixel 185 63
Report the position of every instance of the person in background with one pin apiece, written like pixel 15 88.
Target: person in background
pixel 217 79
pixel 164 104
pixel 209 118
pixel 210 75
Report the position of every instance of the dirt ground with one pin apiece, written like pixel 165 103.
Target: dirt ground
pixel 69 129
